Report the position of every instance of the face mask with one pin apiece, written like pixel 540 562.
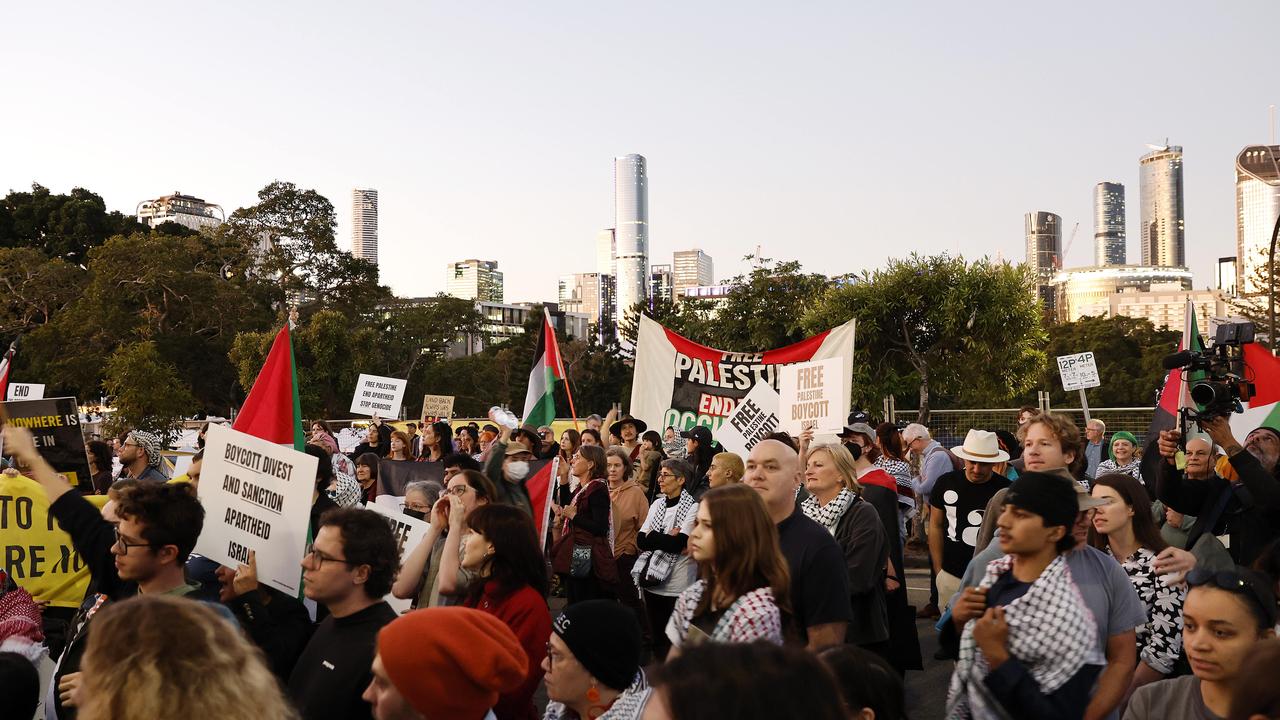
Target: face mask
pixel 518 469
pixel 419 514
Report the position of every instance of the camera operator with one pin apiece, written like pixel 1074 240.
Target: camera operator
pixel 1244 512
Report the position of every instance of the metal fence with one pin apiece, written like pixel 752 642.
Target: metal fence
pixel 950 426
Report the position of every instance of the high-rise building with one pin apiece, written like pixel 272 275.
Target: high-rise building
pixel 1227 276
pixel 592 295
pixel 185 210
pixel 1082 291
pixel 1044 252
pixel 1108 224
pixel 1163 231
pixel 690 268
pixel 631 231
pixel 364 224
pixel 474 280
pixel 660 287
pixel 1257 207
pixel 605 247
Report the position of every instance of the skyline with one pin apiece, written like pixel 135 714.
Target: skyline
pixel 830 135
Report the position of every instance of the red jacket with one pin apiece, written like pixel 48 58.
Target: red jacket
pixel 880 478
pixel 525 612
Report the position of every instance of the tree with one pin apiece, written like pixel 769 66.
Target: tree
pixel 35 288
pixel 1128 353
pixel 147 391
pixel 63 226
pixel 1256 306
pixel 941 325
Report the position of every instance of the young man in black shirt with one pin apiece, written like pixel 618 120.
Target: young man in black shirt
pixel 961 498
pixel 819 576
pixel 348 569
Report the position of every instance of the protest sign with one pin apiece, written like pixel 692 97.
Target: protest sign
pixel 35 552
pixel 814 394
pixel 256 497
pixel 25 391
pixel 756 416
pixel 409 531
pixel 679 382
pixel 380 396
pixel 1079 371
pixel 393 475
pixel 55 423
pixel 437 407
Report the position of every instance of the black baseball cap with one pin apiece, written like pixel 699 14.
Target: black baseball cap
pixel 1051 497
pixel 701 433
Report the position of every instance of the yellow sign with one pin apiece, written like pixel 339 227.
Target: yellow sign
pixel 35 552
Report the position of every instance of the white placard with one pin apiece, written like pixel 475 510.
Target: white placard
pixel 256 496
pixel 409 532
pixel 1079 371
pixel 25 391
pixel 756 415
pixel 379 396
pixel 813 394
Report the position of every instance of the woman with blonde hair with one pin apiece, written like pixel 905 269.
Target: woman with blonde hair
pixel 157 656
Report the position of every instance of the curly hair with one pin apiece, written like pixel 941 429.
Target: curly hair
pixel 367 539
pixel 158 656
pixel 1064 430
pixel 169 515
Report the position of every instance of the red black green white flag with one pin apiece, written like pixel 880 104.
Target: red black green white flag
pixel 548 369
pixel 272 411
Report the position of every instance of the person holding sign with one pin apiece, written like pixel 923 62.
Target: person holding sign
pixel 348 569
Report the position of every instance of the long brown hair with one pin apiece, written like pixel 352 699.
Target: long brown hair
pixel 1135 496
pixel 889 438
pixel 747 554
pixel 517 555
pixel 403 437
pixel 157 656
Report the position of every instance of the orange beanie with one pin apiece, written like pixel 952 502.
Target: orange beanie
pixel 452 662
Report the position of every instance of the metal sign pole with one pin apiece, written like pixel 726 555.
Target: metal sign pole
pixel 1084 403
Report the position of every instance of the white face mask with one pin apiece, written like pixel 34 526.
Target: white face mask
pixel 517 469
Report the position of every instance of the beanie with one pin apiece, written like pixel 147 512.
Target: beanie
pixel 604 637
pixel 452 661
pixel 1121 435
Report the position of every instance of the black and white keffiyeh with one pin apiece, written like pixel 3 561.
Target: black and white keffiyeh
pixel 1051 632
pixel 629 705
pixel 828 515
pixel 657 564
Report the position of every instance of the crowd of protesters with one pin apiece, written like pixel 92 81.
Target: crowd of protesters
pixel 1068 579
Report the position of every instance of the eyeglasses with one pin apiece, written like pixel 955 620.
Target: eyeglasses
pixel 459 490
pixel 553 657
pixel 667 475
pixel 123 542
pixel 318 558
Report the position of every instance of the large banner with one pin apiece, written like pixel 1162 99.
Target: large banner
pixel 679 382
pixel 55 423
pixel 34 550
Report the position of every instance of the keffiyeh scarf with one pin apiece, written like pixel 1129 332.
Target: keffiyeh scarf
pixel 657 564
pixel 828 515
pixel 1051 632
pixel 629 705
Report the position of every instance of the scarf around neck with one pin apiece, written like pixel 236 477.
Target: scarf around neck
pixel 828 515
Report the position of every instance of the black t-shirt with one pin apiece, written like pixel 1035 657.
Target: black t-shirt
pixel 819 577
pixel 962 504
pixel 334 669
pixel 1005 590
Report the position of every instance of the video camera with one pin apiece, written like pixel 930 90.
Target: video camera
pixel 1220 392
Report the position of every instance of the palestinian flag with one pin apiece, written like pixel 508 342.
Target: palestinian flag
pixel 1263 409
pixel 1174 395
pixel 5 365
pixel 548 369
pixel 542 477
pixel 272 410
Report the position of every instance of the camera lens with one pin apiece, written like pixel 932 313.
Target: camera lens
pixel 1208 394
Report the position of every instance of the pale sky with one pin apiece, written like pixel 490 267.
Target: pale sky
pixel 833 133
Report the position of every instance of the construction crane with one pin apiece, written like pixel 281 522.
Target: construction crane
pixel 1057 261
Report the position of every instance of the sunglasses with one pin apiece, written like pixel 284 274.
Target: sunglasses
pixel 1236 584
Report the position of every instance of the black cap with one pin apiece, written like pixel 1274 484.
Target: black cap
pixel 701 433
pixel 1051 497
pixel 605 637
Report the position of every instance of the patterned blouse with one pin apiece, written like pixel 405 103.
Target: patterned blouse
pixel 1160 639
pixel 1134 468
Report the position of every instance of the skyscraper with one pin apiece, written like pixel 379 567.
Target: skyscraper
pixel 1108 224
pixel 1163 225
pixel 592 294
pixel 1257 206
pixel 660 287
pixel 474 280
pixel 605 246
pixel 364 224
pixel 1044 252
pixel 631 231
pixel 690 268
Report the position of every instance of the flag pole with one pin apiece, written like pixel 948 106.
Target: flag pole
pixel 560 360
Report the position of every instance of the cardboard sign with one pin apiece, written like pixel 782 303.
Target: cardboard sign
pixel 813 394
pixel 437 407
pixel 1079 372
pixel 409 532
pixel 756 416
pixel 25 391
pixel 36 553
pixel 256 496
pixel 380 396
pixel 55 423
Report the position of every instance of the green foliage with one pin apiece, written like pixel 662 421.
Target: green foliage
pixel 148 392
pixel 971 332
pixel 1128 352
pixel 64 226
pixel 1256 307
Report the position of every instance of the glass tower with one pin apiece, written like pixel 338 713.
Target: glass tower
pixel 1044 252
pixel 1108 224
pixel 631 231
pixel 1257 206
pixel 364 224
pixel 1163 225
